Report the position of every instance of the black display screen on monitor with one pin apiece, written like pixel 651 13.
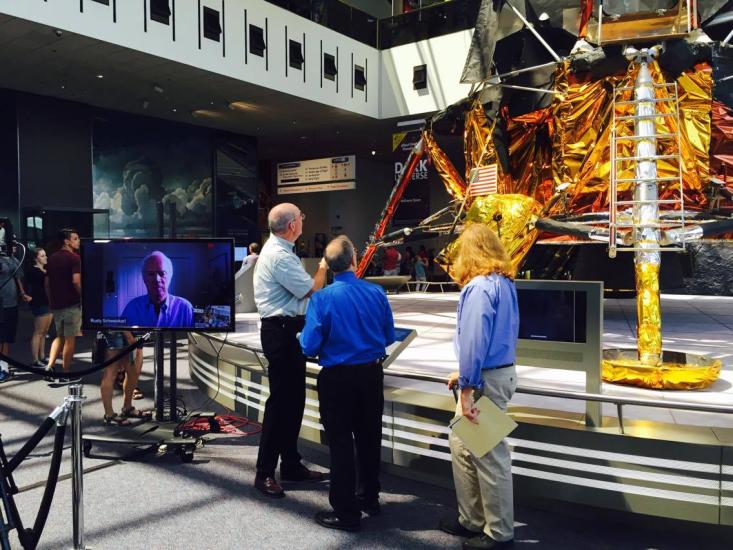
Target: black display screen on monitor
pixel 145 284
pixel 554 315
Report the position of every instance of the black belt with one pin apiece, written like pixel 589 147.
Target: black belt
pixel 500 367
pixel 283 318
pixel 373 363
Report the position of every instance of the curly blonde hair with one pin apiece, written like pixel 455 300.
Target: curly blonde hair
pixel 480 252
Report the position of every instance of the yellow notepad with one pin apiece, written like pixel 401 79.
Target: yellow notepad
pixel 493 426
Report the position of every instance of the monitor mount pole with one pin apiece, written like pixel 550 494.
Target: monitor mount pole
pixel 159 364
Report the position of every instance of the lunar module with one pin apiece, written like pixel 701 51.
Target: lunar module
pixel 594 121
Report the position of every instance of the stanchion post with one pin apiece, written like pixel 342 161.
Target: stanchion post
pixel 159 375
pixel 172 379
pixel 74 403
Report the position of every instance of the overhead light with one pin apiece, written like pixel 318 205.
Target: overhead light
pixel 157 88
pixel 374 152
pixel 175 110
pixel 243 106
pixel 207 113
pixel 414 122
pixel 543 16
pixel 146 104
pixel 100 76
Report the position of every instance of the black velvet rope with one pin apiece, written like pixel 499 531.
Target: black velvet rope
pixel 76 374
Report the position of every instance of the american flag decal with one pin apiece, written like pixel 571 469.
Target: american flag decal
pixel 484 181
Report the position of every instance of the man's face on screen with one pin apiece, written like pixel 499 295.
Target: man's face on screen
pixel 156 277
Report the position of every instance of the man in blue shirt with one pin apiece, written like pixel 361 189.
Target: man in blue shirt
pixel 348 326
pixel 157 308
pixel 281 292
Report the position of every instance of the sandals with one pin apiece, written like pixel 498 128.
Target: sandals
pixel 132 412
pixel 115 419
pixel 137 394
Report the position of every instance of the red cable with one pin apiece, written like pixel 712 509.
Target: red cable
pixel 230 424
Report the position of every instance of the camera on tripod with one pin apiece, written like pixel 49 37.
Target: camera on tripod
pixel 7 236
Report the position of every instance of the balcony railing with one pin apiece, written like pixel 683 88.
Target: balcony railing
pixel 432 18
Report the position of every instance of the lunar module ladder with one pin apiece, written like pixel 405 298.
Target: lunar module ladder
pixel 626 129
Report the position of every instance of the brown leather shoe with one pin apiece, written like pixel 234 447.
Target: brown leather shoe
pixel 269 487
pixel 301 474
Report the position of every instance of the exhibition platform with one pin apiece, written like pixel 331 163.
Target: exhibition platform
pixel 658 460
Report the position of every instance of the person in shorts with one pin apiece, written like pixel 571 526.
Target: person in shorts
pixel 35 285
pixel 63 288
pixel 113 342
pixel 11 288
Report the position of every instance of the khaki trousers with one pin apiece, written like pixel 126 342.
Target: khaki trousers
pixel 484 485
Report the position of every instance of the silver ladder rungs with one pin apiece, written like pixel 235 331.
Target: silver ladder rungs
pixel 646 158
pixel 656 136
pixel 665 85
pixel 655 100
pixel 644 117
pixel 652 201
pixel 670 248
pixel 665 178
pixel 649 225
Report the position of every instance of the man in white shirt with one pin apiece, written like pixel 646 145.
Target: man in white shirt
pixel 281 291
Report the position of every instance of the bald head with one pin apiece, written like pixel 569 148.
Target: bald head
pixel 340 254
pixel 280 217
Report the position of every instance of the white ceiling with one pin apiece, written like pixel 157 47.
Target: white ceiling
pixel 35 58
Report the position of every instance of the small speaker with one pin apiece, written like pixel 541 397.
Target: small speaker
pixel 420 77
pixel 257 44
pixel 212 26
pixel 295 54
pixel 329 67
pixel 359 78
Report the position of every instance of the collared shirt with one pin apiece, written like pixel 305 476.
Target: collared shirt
pixel 348 323
pixel 174 312
pixel 280 282
pixel 487 327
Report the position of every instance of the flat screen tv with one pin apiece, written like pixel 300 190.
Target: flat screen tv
pixel 158 284
pixel 554 315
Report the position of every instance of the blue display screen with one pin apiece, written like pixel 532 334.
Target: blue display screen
pixel 177 284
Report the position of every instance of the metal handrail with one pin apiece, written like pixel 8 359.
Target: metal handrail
pixel 617 400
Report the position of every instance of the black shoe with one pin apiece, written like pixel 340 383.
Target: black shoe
pixel 301 474
pixel 332 521
pixel 485 542
pixel 370 506
pixel 453 527
pixel 269 487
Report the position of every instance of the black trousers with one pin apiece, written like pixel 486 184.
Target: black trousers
pixel 351 402
pixel 284 408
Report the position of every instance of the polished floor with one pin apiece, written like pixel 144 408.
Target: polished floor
pixel 160 503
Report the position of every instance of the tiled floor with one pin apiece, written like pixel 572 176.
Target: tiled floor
pixel 696 324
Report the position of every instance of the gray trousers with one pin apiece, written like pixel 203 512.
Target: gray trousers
pixel 484 485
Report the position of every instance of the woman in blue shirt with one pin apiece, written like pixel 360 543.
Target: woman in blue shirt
pixel 486 336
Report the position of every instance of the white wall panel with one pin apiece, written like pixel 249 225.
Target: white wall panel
pixel 444 57
pixel 389 91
